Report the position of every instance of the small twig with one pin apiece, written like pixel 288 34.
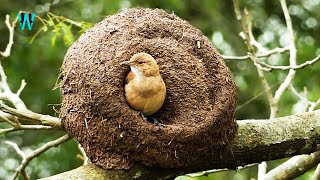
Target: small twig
pixel 311 105
pixel 307 63
pixel 253 41
pixel 7 52
pixel 9 119
pixel 294 167
pixel 262 55
pixel 25 127
pixel 258 67
pixel 316 174
pixel 27 158
pixel 292 60
pixel 23 85
pixel 303 98
pixel 205 173
pixel 257 64
pixel 252 99
pixel 314 105
pixel 262 170
pixel 246 39
pixel 7 94
pixel 237 10
pixel 276 50
pixel 64 19
pixel 24 160
pixel 226 57
pixel 17 149
pixel 295 92
pixel 84 155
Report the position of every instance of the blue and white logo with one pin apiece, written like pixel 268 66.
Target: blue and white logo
pixel 26 18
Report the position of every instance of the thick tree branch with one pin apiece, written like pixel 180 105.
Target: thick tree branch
pixel 256 141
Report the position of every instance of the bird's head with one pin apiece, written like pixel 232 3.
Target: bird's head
pixel 143 64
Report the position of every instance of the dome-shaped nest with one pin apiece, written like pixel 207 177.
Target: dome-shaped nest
pixel 199 110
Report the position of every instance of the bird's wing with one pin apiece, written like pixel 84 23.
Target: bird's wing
pixel 130 77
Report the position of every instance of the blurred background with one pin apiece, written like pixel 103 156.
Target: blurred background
pixel 39 63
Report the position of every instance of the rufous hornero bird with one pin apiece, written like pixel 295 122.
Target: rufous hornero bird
pixel 145 90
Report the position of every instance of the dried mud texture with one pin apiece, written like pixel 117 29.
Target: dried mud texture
pixel 199 110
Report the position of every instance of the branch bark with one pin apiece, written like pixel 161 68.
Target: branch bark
pixel 256 141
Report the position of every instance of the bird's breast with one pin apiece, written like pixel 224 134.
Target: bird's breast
pixel 146 94
pixel 146 86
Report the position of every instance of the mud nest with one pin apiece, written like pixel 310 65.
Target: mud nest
pixel 199 110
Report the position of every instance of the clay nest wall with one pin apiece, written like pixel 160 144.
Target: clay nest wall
pixel 199 110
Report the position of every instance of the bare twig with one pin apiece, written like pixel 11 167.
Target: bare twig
pixel 294 167
pixel 23 85
pixel 262 170
pixel 270 67
pixel 316 174
pixel 24 159
pixel 24 127
pixel 227 57
pixel 7 94
pixel 10 26
pixel 27 158
pixel 252 55
pixel 262 55
pixel 302 97
pixel 84 155
pixel 9 119
pixel 292 60
pixel 314 105
pixel 64 19
pixel 206 173
pixel 311 105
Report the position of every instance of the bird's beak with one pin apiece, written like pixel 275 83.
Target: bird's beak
pixel 125 63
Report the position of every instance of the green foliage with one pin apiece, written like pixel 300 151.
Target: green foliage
pixel 38 63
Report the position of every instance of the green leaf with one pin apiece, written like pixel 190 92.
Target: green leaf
pixel 68 37
pixel 56 33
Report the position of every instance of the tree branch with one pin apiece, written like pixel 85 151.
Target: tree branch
pixel 24 127
pixel 300 66
pixel 7 51
pixel 256 141
pixel 18 111
pixel 292 60
pixel 35 117
pixel 268 53
pixel 35 153
pixel 316 174
pixel 294 167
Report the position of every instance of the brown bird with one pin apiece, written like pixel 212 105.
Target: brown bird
pixel 145 90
